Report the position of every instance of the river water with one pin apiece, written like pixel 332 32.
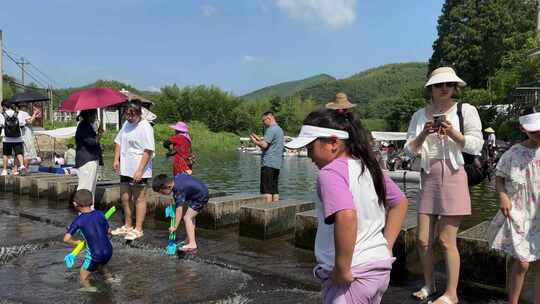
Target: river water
pixel 237 172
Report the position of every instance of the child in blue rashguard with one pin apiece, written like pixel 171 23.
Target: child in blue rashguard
pixel 188 192
pixel 95 230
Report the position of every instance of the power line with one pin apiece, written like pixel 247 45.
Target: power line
pixel 26 71
pixel 46 77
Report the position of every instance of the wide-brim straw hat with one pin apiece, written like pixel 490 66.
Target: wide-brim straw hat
pixel 341 102
pixel 489 130
pixel 444 74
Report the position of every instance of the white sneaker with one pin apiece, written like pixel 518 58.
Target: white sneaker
pixel 121 231
pixel 4 173
pixel 134 234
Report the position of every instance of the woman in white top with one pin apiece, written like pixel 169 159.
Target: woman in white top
pixel 133 160
pixel 27 132
pixel 444 200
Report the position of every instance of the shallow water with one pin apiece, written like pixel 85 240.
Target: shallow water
pixel 237 172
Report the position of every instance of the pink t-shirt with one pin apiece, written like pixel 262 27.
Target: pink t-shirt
pixel 333 188
pixel 343 186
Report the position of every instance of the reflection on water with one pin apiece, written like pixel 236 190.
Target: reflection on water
pixel 237 172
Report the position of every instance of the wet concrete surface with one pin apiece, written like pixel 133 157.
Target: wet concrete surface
pixel 227 269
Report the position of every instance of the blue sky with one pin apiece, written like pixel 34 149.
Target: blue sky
pixel 238 45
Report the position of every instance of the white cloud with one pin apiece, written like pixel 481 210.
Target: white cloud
pixel 333 13
pixel 249 59
pixel 208 10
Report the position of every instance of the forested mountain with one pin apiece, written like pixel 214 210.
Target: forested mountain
pixel 287 88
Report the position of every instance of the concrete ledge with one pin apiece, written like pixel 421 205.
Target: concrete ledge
pixel 6 183
pixel 21 183
pixel 158 202
pixel 224 211
pixel 405 250
pixel 59 190
pixel 39 187
pixel 267 220
pixel 480 264
pixel 107 196
pixel 306 229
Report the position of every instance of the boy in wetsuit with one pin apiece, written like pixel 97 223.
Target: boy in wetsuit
pixel 95 230
pixel 185 188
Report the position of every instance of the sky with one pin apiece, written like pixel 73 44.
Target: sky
pixel 237 45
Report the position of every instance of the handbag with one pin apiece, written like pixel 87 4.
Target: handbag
pixel 475 165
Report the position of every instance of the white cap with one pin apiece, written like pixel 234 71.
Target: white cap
pixel 310 133
pixel 530 122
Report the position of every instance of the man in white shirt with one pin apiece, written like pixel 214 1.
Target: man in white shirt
pixel 11 122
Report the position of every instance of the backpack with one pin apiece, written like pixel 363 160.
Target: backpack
pixel 11 125
pixel 475 166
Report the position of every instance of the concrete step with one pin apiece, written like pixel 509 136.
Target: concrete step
pixel 306 224
pixel 38 186
pixel 225 210
pixel 158 202
pixel 268 220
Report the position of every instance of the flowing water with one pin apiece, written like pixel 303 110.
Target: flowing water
pixel 230 269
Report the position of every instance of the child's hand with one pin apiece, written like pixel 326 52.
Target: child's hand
pixel 172 229
pixel 505 206
pixel 342 277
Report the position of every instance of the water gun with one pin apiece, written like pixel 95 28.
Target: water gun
pixel 69 259
pixel 171 244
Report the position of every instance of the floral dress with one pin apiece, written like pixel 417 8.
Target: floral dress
pixel 519 235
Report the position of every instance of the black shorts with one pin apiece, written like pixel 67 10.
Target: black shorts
pixel 128 180
pixel 8 148
pixel 269 180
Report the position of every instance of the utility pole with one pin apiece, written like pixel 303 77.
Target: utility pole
pixel 1 69
pixel 22 63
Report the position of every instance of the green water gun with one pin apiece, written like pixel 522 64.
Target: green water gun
pixel 69 259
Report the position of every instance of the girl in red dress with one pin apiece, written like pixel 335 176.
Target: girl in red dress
pixel 179 146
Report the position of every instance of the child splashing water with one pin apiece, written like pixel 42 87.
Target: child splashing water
pixel 353 257
pixel 515 229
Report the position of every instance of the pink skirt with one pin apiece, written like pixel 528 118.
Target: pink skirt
pixel 445 191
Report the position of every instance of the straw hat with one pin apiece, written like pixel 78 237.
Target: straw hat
pixel 341 102
pixel 444 74
pixel 489 130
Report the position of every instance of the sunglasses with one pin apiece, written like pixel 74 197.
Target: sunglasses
pixel 447 84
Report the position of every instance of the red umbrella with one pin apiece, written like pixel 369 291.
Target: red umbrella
pixel 92 98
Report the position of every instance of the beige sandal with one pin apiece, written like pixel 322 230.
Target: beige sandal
pixel 424 293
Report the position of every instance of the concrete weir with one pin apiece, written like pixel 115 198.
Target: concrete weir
pixel 268 220
pixel 39 186
pixel 158 202
pixel 225 210
pixel 22 183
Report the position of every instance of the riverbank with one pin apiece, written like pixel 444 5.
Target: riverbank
pixel 204 140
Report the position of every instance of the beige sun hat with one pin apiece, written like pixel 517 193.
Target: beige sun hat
pixel 444 74
pixel 489 130
pixel 341 102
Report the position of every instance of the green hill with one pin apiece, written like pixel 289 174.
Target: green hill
pixel 380 82
pixel 288 88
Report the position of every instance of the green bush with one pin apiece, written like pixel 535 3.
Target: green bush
pixel 204 140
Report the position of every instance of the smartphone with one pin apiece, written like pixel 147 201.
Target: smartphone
pixel 438 119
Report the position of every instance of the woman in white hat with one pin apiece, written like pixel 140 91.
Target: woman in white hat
pixel 444 200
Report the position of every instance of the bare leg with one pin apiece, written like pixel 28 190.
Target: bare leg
pixel 140 206
pixel 426 239
pixel 517 277
pixel 104 271
pixel 275 197
pixel 5 162
pixel 125 195
pixel 189 218
pixel 268 197
pixel 85 278
pixel 20 158
pixel 448 228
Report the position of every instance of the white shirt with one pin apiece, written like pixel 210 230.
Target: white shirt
pixel 472 129
pixel 22 122
pixel 133 140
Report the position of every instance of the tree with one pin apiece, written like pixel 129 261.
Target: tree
pixel 475 35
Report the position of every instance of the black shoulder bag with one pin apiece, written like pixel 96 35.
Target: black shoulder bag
pixel 475 165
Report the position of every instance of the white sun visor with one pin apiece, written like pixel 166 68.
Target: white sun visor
pixel 310 133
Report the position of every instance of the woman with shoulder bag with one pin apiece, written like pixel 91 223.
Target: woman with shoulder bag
pixel 434 134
